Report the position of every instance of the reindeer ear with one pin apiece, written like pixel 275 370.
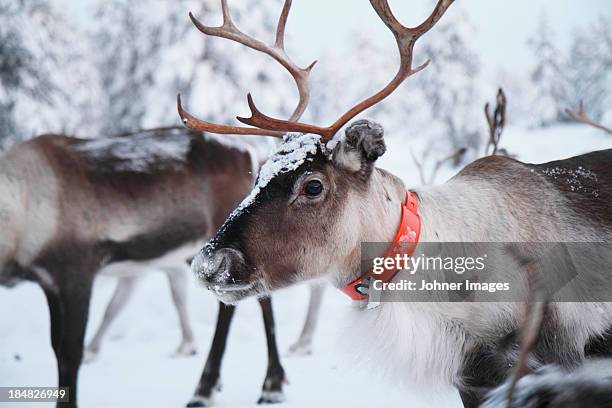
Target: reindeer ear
pixel 362 145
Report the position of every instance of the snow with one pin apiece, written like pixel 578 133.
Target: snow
pixel 574 178
pixel 135 368
pixel 137 152
pixel 290 155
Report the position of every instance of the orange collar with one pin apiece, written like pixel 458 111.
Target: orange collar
pixel 405 242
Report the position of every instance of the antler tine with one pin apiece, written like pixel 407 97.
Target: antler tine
pixel 228 30
pixel 199 125
pixel 531 329
pixel 262 121
pixel 406 39
pixel 581 116
pixel 496 121
pixel 279 42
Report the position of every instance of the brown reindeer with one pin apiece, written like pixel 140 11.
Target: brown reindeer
pixel 315 202
pixel 71 208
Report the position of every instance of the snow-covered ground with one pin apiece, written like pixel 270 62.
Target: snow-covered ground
pixel 135 367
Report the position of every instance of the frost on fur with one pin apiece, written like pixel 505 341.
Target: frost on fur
pixel 290 155
pixel 137 153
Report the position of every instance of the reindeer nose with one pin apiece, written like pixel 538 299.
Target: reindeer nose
pixel 219 267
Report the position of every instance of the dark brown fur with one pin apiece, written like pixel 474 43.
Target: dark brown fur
pixel 585 180
pixel 590 195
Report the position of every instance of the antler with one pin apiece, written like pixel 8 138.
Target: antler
pixel 406 38
pixel 496 122
pixel 229 31
pixel 456 155
pixel 530 331
pixel 582 117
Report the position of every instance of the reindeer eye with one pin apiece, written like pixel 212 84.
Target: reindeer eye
pixel 313 188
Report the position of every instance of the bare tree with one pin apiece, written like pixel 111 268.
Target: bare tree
pixel 452 115
pixel 429 177
pixel 549 77
pixel 27 78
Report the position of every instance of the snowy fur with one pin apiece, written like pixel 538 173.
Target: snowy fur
pixel 259 148
pixel 290 155
pixel 137 152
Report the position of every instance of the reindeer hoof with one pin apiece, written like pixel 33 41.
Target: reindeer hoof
pixel 203 400
pixel 90 356
pixel 199 401
pixel 186 349
pixel 299 350
pixel 271 397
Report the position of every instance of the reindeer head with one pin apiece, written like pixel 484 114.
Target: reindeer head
pixel 306 216
pixel 313 203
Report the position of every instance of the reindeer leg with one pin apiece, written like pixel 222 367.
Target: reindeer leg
pixel 275 377
pixel 303 346
pixel 178 287
pixel 123 292
pixel 56 315
pixel 69 308
pixel 209 382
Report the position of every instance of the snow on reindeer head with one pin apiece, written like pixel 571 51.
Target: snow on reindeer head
pixel 302 219
pixel 313 203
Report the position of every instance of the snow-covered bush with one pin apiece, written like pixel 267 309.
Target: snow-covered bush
pixel 561 79
pixel 43 72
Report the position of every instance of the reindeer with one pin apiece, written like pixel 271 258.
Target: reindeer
pixel 317 199
pixel 228 30
pixel 71 208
